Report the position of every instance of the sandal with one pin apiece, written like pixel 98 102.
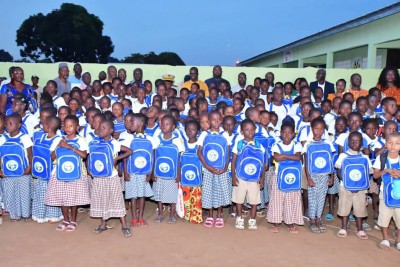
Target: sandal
pixel 100 229
pixel 209 222
pixel 274 229
pixel 293 230
pixel 366 227
pixel 143 223
pixel 232 215
pixel 329 217
pixel 342 233
pixel 127 232
pixel 135 223
pixel 81 209
pixel 322 228
pixel 384 244
pixel 71 227
pixel 172 220
pixel 62 226
pixel 314 228
pixel 219 223
pixel 362 235
pixel 245 213
pixel 261 213
pixel 159 219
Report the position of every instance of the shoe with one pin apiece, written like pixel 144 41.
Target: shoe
pixel 366 227
pixel 239 223
pixel 252 224
pixel 352 218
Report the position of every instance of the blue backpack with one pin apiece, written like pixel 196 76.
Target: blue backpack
pixel 42 163
pixel 215 150
pixel 101 158
pixel 250 161
pixel 167 158
pixel 289 172
pixel 391 189
pixel 319 158
pixel 13 159
pixel 69 164
pixel 141 161
pixel 355 173
pixel 191 173
pixel 266 141
pixel 335 155
pixel 37 135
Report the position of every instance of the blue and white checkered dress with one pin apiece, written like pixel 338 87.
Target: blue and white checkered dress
pixel 137 187
pixel 215 190
pixel 165 191
pixel 317 195
pixel 42 213
pixel 17 196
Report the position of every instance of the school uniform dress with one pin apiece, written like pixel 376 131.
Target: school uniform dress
pixel 377 143
pixel 71 193
pixel 106 199
pixel 317 194
pixel 284 206
pixel 137 186
pixel 42 213
pixel 166 190
pixel 215 189
pixel 17 190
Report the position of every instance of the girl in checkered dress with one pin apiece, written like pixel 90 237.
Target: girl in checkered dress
pixel 69 194
pixel 16 173
pixel 166 168
pixel 42 213
pixel 216 180
pixel 285 206
pixel 107 200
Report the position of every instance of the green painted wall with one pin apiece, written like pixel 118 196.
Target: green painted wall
pixel 153 72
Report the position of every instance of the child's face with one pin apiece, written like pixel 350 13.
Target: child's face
pixel 393 144
pixel 378 95
pixel 265 119
pixel 17 106
pixel 326 107
pixel 213 95
pixel 62 113
pixel 354 123
pixel 70 127
pixel 228 125
pixel 12 125
pixel 96 123
pixel 254 94
pixel 340 87
pixel 128 120
pixel 162 90
pixel 204 123
pixel 287 134
pixel 355 142
pixel 126 103
pixel 203 107
pixel 362 106
pixel 191 131
pixel 340 126
pixel 89 103
pixel 318 131
pixel 96 87
pixel 215 121
pixel 152 112
pixel 107 89
pixel 391 107
pixel 76 95
pixel 134 124
pixel 397 115
pixel 237 105
pixel 184 95
pixel 66 97
pixel 43 117
pixel 255 117
pixel 104 104
pixel 194 89
pixel 274 120
pixel 305 110
pixel 117 111
pixel 248 131
pixel 89 117
pixel 349 97
pixel 180 105
pixel 121 91
pixel 167 125
pixel 315 115
pixel 336 103
pixel 389 129
pixel 73 105
pixel 288 89
pixel 194 113
pixel 370 130
pixel 318 93
pixel 51 89
pixel 345 110
pixel 229 111
pixel 105 130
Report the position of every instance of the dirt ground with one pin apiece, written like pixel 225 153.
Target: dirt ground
pixel 32 244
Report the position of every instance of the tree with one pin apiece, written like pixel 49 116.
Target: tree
pixel 165 58
pixel 5 56
pixel 66 34
pixel 113 60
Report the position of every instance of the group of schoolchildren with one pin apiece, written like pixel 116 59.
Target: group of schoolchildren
pixel 277 155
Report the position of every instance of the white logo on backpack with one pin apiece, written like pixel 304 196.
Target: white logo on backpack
pixel 12 165
pixel 355 175
pixel 320 162
pixel 99 166
pixel 140 162
pixel 68 167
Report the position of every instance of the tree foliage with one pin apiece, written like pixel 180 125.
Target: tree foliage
pixel 66 34
pixel 5 56
pixel 164 58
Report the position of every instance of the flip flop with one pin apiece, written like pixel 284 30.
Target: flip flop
pixel 127 232
pixel 261 213
pixel 209 222
pixel 134 224
pixel 62 226
pixel 314 228
pixel 219 223
pixel 362 235
pixel 384 244
pixel 366 227
pixel 342 233
pixel 329 217
pixel 143 223
pixel 274 229
pixel 71 227
pixel 293 230
pixel 100 229
pixel 322 228
pixel 159 219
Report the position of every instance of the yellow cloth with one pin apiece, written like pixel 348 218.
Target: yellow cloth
pixel 203 86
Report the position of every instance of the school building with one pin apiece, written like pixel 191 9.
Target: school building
pixel 371 41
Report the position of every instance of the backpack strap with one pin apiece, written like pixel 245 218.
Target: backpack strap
pixel 384 157
pixel 240 146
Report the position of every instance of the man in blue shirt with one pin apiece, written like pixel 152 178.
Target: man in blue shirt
pixel 217 77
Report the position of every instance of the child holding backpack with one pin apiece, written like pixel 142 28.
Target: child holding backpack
pixel 248 171
pixel 16 162
pixel 285 196
pixel 68 187
pixel 387 167
pixel 353 169
pixel 318 165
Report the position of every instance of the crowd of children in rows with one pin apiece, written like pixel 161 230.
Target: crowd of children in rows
pixel 279 153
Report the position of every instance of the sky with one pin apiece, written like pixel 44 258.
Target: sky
pixel 205 32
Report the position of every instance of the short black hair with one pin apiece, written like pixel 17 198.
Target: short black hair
pixel 316 121
pixel 72 118
pixel 247 121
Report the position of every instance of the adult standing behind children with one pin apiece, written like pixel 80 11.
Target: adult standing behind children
pixel 194 78
pixel 217 77
pixel 76 79
pixel 63 85
pixel 327 87
pixel 241 83
pixel 355 88
pixel 389 83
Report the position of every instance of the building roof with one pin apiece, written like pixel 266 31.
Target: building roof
pixel 370 17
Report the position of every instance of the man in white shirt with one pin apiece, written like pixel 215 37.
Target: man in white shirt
pixel 241 83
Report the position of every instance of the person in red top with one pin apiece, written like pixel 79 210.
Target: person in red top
pixel 389 83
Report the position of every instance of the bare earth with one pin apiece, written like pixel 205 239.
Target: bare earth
pixel 32 244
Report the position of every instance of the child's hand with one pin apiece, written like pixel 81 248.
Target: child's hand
pixel 311 183
pixel 63 144
pixel 154 178
pixel 235 181
pixel 330 182
pixel 115 135
pixel 148 178
pixel 1 174
pixel 127 177
pixel 178 180
pixel 262 181
pixel 394 173
pixel 27 171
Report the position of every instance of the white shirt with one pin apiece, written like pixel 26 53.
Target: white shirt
pixel 237 88
pixel 343 137
pixel 58 102
pixel 235 148
pixel 30 121
pixel 275 149
pixel 281 111
pixel 327 141
pixel 127 138
pixel 136 106
pixel 178 142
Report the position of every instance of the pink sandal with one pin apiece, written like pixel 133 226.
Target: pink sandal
pixel 209 222
pixel 219 223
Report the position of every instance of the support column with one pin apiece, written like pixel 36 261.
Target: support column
pixel 371 64
pixel 300 63
pixel 280 65
pixel 329 60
